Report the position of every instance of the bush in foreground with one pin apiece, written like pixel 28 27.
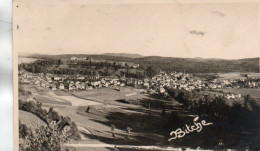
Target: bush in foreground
pixel 43 138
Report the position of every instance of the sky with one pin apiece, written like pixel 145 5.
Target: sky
pixel 155 28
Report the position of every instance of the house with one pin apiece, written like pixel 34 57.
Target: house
pixel 76 58
pixel 25 81
pixel 122 64
pixel 80 78
pixel 146 80
pixel 58 78
pixel 80 86
pixel 72 86
pixel 162 90
pixel 230 96
pixel 73 58
pixel 136 66
pixel 107 84
pixel 53 87
pixel 146 85
pixel 139 82
pixel 43 84
pixel 238 95
pixel 61 86
pixel 83 86
pixel 37 82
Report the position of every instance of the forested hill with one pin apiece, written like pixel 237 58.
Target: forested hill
pixel 189 65
pixel 124 55
pixel 198 65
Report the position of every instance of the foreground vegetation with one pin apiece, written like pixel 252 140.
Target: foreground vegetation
pixel 235 121
pixel 151 118
pixel 237 117
pixel 58 129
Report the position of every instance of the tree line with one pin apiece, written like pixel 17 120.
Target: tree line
pixel 55 66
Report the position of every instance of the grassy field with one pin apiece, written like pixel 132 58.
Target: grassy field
pixel 108 95
pixel 237 75
pixel 50 100
pixel 30 119
pixel 61 93
pixel 254 75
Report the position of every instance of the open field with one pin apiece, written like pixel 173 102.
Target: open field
pixel 75 101
pixel 237 75
pixel 51 100
pixel 30 119
pixel 108 95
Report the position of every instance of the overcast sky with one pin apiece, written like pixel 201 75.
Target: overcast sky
pixel 208 30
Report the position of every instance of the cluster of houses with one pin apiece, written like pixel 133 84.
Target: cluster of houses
pixel 228 95
pixel 232 96
pixel 158 83
pixel 233 83
pixel 154 85
pixel 66 82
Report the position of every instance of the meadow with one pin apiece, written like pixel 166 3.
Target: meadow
pixel 237 75
pixel 108 95
pixel 30 119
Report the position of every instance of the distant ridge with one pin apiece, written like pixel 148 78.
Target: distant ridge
pixel 128 55
pixel 190 65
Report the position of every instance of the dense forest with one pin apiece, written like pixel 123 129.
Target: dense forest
pixel 56 66
pixel 195 65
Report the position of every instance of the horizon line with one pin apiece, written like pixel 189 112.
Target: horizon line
pixel 141 56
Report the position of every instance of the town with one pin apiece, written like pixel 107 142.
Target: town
pixel 91 91
pixel 136 76
pixel 155 85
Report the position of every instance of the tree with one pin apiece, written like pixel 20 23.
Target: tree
pixel 151 71
pixel 128 129
pixel 59 61
pixel 113 127
pixel 33 68
pixel 44 137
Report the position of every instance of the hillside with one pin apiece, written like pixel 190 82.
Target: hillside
pixel 198 65
pixel 124 55
pixel 189 65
